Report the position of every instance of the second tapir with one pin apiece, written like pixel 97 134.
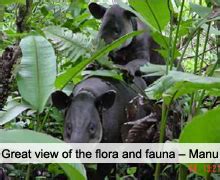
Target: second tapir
pixel 115 23
pixel 95 110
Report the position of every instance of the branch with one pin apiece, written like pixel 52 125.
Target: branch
pixel 24 13
pixel 212 48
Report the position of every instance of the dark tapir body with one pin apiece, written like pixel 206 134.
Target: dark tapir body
pixel 135 52
pixel 95 111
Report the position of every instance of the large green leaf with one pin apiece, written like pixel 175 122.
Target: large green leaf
pixel 25 136
pixel 73 45
pixel 6 2
pixel 73 171
pixel 204 128
pixel 200 10
pixel 37 72
pixel 2 10
pixel 12 110
pixel 105 73
pixel 156 13
pixel 67 76
pixel 153 69
pixel 180 83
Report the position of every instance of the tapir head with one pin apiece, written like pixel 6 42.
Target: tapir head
pixel 83 115
pixel 116 22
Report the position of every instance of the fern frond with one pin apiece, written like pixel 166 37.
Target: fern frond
pixel 73 45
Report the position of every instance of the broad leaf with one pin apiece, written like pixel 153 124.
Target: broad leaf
pixel 208 122
pixel 25 136
pixel 12 110
pixel 2 10
pixel 7 2
pixel 200 10
pixel 64 78
pixel 37 72
pixel 179 83
pixel 73 171
pixel 156 13
pixel 153 70
pixel 204 128
pixel 72 45
pixel 104 73
pixel 212 30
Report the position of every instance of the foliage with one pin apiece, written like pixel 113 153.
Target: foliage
pixel 72 45
pixel 37 72
pixel 194 132
pixel 60 41
pixel 176 84
pixel 26 136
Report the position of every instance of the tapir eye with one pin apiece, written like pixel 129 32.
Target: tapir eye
pixel 116 31
pixel 68 129
pixel 92 128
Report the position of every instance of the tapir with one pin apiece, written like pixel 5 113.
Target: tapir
pixel 95 110
pixel 135 52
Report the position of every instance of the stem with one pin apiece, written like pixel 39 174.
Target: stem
pixel 200 101
pixel 208 176
pixel 210 74
pixel 163 122
pixel 192 102
pixel 170 39
pixel 165 110
pixel 197 51
pixel 182 172
pixel 37 121
pixel 204 49
pixel 186 46
pixel 45 119
pixel 24 13
pixel 28 172
pixel 177 33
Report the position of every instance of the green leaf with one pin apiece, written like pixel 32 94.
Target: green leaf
pixel 179 83
pixel 12 110
pixel 37 72
pixel 64 78
pixel 208 122
pixel 127 7
pixel 131 170
pixel 161 39
pixel 7 2
pixel 73 171
pixel 25 136
pixel 73 45
pixel 200 10
pixel 156 13
pixel 104 73
pixel 153 70
pixel 204 128
pixel 185 27
pixel 2 10
pixel 212 30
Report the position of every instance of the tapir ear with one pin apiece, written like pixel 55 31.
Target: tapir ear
pixel 129 14
pixel 106 100
pixel 60 100
pixel 97 10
